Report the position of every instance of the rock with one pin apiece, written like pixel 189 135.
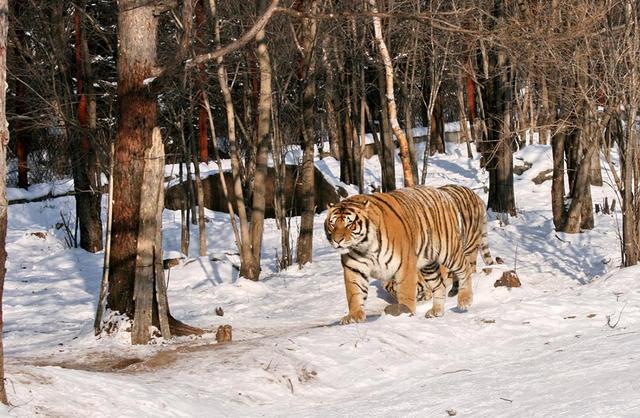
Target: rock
pixel 219 311
pixel 509 279
pixel 38 234
pixel 223 334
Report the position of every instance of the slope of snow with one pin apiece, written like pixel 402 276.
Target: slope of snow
pixel 564 344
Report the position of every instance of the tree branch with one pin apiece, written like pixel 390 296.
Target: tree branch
pixel 242 41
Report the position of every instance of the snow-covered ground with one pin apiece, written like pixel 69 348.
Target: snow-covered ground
pixel 564 344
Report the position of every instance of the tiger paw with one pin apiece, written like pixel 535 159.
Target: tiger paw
pixel 423 295
pixel 434 313
pixel 353 317
pixel 464 302
pixel 397 309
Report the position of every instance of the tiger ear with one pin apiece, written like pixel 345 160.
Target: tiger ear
pixel 330 205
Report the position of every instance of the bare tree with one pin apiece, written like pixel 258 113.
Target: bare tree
pixel 250 269
pixel 308 65
pixel 497 101
pixel 4 140
pixel 391 102
pixel 135 285
pixel 85 162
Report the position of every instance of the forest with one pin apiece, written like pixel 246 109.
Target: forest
pixel 166 167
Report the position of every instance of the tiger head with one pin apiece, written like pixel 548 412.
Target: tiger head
pixel 347 224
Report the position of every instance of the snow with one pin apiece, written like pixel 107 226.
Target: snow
pixel 38 191
pixel 563 344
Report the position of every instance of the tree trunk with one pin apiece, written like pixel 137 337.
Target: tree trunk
pixel 436 128
pixel 132 262
pixel 137 117
pixel 580 196
pixel 465 129
pixel 388 148
pixel 391 102
pixel 104 283
pixel 596 169
pixel 279 199
pixel 185 210
pixel 203 143
pixel 347 174
pixel 497 103
pixel 330 99
pixel 545 106
pixel 557 184
pixel 630 221
pixel 4 140
pixel 21 134
pixel 408 123
pixel 244 242
pixel 85 167
pixel 332 119
pixel 149 247
pixel 251 271
pixel 307 188
pixel 202 230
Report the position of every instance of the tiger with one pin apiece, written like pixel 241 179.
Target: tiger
pixel 473 213
pixel 395 236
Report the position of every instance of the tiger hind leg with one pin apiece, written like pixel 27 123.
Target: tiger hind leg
pixel 434 280
pixel 423 291
pixel 465 290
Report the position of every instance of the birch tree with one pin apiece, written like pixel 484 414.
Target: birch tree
pixel 391 101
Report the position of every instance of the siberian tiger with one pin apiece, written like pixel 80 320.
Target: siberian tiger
pixel 473 214
pixel 392 236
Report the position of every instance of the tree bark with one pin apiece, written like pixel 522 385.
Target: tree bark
pixel 137 118
pixel 630 180
pixel 244 241
pixel 436 128
pixel 149 245
pixel 557 184
pixel 21 134
pixel 203 143
pixel 85 167
pixel 580 196
pixel 4 140
pixel 202 230
pixel 308 64
pixel 104 283
pixel 498 103
pixel 391 102
pixel 465 129
pixel 388 148
pixel 251 270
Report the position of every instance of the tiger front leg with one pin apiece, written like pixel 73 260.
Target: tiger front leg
pixel 406 279
pixel 357 288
